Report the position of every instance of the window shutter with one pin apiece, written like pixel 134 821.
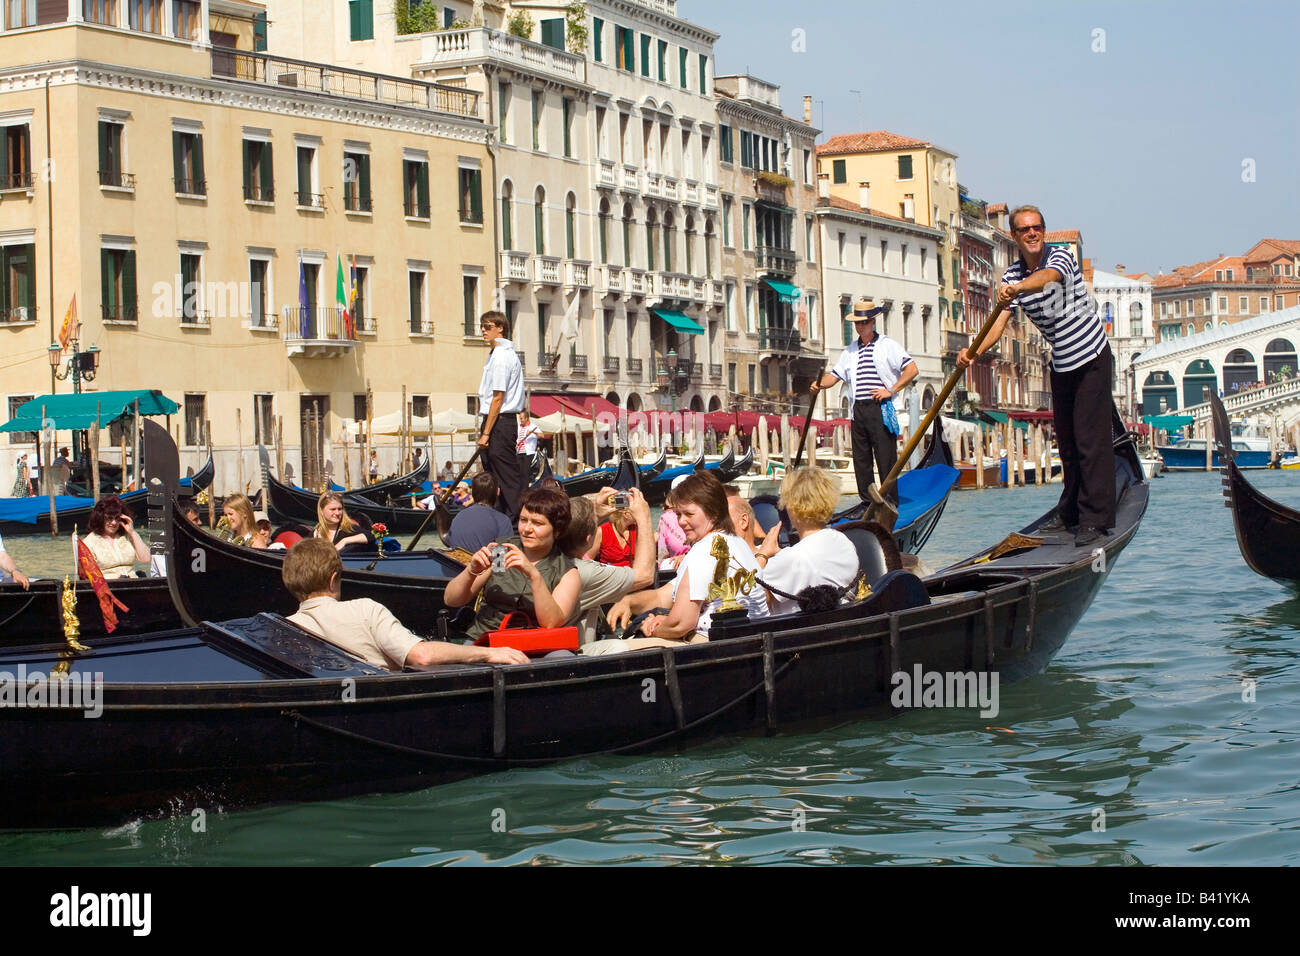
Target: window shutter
pixel 476 196
pixel 104 162
pixel 354 18
pixel 507 232
pixel 28 294
pixel 627 49
pixel 568 233
pixel 645 54
pixel 597 27
pixel 267 173
pixel 178 159
pixel 106 281
pixel 200 185
pixel 363 181
pixel 539 235
pixel 681 66
pixel 259 33
pixel 128 283
pixel 4 273
pixel 248 169
pixel 422 189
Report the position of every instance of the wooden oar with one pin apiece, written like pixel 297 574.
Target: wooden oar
pixel 880 509
pixel 807 420
pixel 440 503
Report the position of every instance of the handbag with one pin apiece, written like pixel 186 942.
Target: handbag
pixel 528 637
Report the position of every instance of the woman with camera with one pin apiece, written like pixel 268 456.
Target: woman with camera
pixel 616 543
pixel 528 573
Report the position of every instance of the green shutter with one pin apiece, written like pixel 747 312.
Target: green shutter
pixel 628 57
pixel 476 196
pixel 200 184
pixel 363 180
pixel 104 161
pixel 259 33
pixel 604 239
pixel 448 17
pixel 128 283
pixel 568 233
pixel 4 274
pixel 645 54
pixel 106 299
pixel 681 65
pixel 248 169
pixel 539 234
pixel 507 232
pixel 553 33
pixel 267 173
pixel 178 159
pixel 354 19
pixel 304 176
pixel 567 106
pixel 840 171
pixel 704 75
pixel 27 292
pixel 663 60
pixel 416 313
pixel 597 27
pixel 904 167
pixel 422 189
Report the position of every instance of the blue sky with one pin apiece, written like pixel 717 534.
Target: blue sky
pixel 1140 146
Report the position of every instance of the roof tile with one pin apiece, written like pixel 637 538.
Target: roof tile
pixel 869 142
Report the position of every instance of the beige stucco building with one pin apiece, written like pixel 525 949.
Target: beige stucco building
pixel 199 190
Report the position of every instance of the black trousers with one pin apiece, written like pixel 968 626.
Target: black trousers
pixel 871 439
pixel 1082 410
pixel 503 462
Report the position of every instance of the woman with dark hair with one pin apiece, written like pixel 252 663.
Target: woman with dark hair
pixel 113 539
pixel 537 577
pixel 334 525
pixel 701 505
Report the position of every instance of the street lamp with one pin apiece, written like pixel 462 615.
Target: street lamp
pixel 81 366
pixel 670 361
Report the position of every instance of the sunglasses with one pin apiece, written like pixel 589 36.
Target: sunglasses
pixel 1036 227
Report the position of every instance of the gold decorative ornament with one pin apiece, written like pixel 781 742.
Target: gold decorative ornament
pixel 71 625
pixel 202 498
pixel 727 588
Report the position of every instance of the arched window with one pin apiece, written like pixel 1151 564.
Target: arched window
pixel 603 229
pixel 627 234
pixel 570 227
pixel 507 215
pixel 539 221
pixel 1135 319
pixel 708 246
pixel 669 237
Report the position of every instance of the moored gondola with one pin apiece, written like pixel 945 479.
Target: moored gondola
pixel 255 710
pixel 398 488
pixel 1268 532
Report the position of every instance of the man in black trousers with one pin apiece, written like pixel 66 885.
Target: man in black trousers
pixel 1048 284
pixel 501 396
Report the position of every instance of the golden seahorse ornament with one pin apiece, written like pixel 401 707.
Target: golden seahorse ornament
pixel 728 588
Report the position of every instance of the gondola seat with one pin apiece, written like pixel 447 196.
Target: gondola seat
pixel 877 550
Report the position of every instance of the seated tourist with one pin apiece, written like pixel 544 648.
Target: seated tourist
pixel 616 542
pixel 262 537
pixel 672 540
pixel 480 523
pixel 334 525
pixel 462 495
pixel 190 511
pixel 702 509
pixel 113 540
pixel 823 556
pixel 747 528
pixel 538 578
pixel 9 570
pixel 237 511
pixel 604 583
pixel 313 572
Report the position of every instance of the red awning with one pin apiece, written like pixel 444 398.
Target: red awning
pixel 542 405
pixel 1027 416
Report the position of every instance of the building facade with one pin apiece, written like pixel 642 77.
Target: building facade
pixel 1124 305
pixel 208 205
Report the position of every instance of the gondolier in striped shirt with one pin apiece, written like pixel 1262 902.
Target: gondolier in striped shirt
pixel 1048 284
pixel 874 368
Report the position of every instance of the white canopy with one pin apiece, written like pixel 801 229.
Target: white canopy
pixel 446 422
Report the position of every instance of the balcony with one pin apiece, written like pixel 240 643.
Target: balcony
pixel 120 314
pixel 630 179
pixel 769 190
pixel 653 183
pixel 19 179
pixel 578 365
pixel 611 364
pixel 195 320
pixel 316 332
pixel 635 368
pixel 315 201
pixel 698 289
pixel 691 192
pixel 775 260
pixel 778 340
pixel 266 70
pixel 608 175
pixel 18 315
pixel 670 188
pixel 636 281
pixel 715 292
pixel 715 372
pixel 1039 400
pixel 954 342
pixel 117 179
pixel 546 270
pixel 514 266
pixel 609 280
pixel 711 197
pixel 442 48
pixel 577 274
pixel 546 362
pixel 696 371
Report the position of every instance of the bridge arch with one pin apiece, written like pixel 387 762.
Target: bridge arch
pixel 1159 385
pixel 1199 374
pixel 1239 370
pixel 1279 359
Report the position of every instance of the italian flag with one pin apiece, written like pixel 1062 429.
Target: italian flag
pixel 341 296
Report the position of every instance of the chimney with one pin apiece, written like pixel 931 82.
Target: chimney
pixel 1119 268
pixel 864 195
pixel 807 110
pixel 823 185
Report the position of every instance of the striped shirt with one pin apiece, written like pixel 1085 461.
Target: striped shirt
pixel 867 379
pixel 1066 313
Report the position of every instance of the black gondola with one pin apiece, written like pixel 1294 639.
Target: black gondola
pixel 657 490
pixel 285 504
pixel 1268 532
pixel 394 489
pixel 255 710
pixel 593 479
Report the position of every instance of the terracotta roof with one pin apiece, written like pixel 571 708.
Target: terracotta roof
pixel 1062 235
pixel 873 141
pixel 1268 249
pixel 839 203
pixel 998 207
pixel 1201 272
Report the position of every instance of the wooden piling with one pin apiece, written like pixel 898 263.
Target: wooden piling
pixel 979 458
pixel 94 454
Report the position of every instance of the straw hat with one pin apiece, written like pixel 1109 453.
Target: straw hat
pixel 864 309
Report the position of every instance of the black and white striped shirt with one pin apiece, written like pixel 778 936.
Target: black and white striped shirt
pixel 867 379
pixel 1066 314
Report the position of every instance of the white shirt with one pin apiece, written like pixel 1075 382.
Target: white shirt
pixel 823 557
pixel 527 441
pixel 502 372
pixel 890 360
pixel 700 563
pixel 601 584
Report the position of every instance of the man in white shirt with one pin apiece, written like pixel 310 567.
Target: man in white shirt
pixel 874 368
pixel 501 397
pixel 526 442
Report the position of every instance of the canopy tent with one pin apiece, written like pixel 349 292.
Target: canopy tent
pixel 542 406
pixel 79 411
pixel 680 321
pixel 556 423
pixel 788 293
pixel 1000 418
pixel 1169 423
pixel 446 422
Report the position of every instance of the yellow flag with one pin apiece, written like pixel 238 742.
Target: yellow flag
pixel 69 321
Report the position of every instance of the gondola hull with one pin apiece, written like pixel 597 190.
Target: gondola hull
pixel 254 711
pixel 1268 532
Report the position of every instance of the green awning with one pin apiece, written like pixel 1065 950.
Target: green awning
pixel 785 290
pixel 1170 423
pixel 76 412
pixel 1001 418
pixel 679 321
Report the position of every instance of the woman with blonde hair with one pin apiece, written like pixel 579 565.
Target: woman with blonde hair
pixel 823 556
pixel 237 512
pixel 334 525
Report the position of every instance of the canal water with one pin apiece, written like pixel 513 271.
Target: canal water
pixel 1166 732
